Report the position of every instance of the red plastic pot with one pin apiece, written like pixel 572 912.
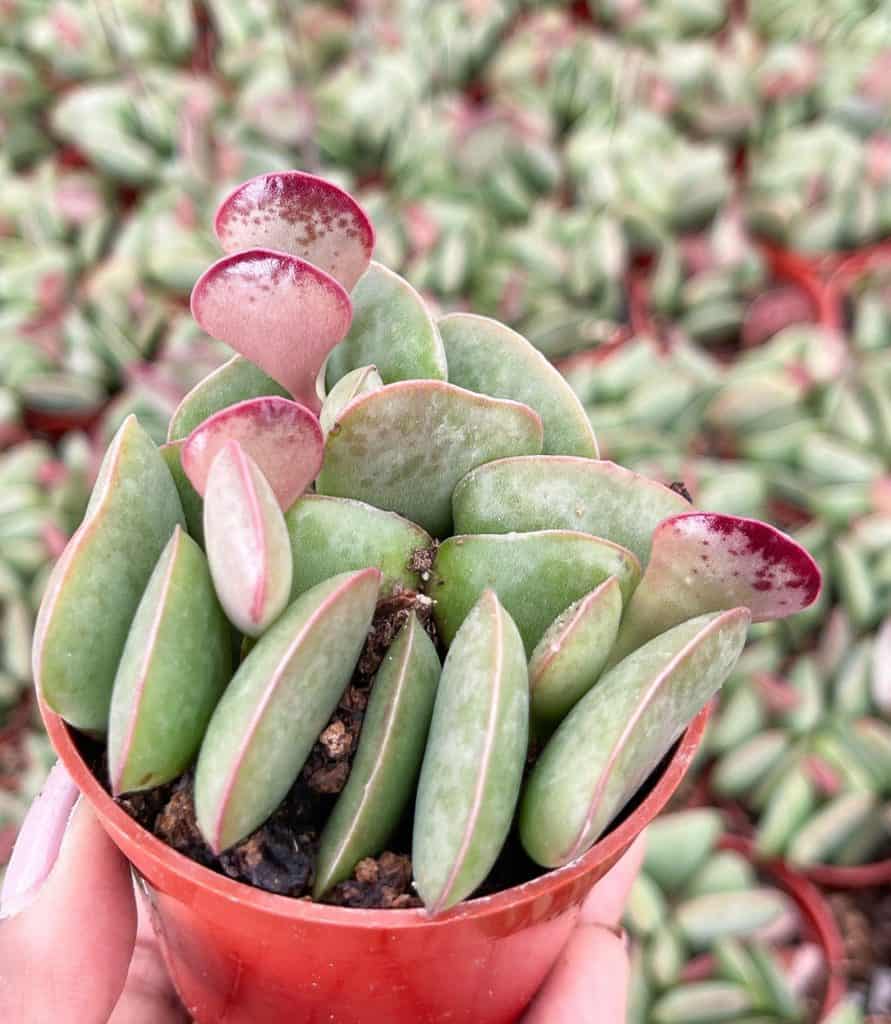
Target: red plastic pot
pixel 242 956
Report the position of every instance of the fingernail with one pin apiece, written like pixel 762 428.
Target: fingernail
pixel 39 841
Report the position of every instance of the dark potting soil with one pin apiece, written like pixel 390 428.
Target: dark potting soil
pixel 280 856
pixel 864 916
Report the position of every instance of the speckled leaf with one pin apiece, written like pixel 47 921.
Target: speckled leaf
pixel 388 761
pixel 282 437
pixel 247 541
pixel 300 214
pixel 705 562
pixel 406 445
pixel 473 764
pixel 392 329
pixel 536 576
pixel 192 504
pixel 350 386
pixel 547 492
pixel 175 665
pixel 635 713
pixel 280 312
pixel 278 702
pixel 334 535
pixel 235 381
pixel 97 583
pixel 486 356
pixel 569 658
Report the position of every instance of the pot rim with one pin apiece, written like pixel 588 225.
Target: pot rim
pixel 164 857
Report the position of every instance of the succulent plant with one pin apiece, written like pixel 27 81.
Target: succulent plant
pixel 710 935
pixel 454 470
pixel 806 747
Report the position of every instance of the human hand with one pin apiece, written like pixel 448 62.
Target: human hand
pixel 77 947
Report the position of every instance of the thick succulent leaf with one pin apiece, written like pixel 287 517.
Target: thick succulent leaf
pixel 704 1002
pixel 350 386
pixel 299 214
pixel 278 702
pixel 392 329
pixel 705 562
pixel 280 312
pixel 615 736
pixel 547 492
pixel 193 505
pixel 175 666
pixel 535 575
pixel 703 920
pixel 569 658
pixel 247 541
pixel 388 761
pixel 235 381
pixel 473 764
pixel 679 844
pixel 282 437
pixel 96 585
pixel 335 535
pixel 486 356
pixel 406 445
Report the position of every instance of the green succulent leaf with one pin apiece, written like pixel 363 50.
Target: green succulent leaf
pixel 473 764
pixel 571 654
pixel 248 548
pixel 392 329
pixel 388 761
pixel 192 502
pixel 234 381
pixel 678 845
pixel 97 584
pixel 350 386
pixel 277 704
pixel 334 535
pixel 536 576
pixel 636 711
pixel 488 357
pixel 548 492
pixel 705 919
pixel 175 665
pixel 406 445
pixel 702 1002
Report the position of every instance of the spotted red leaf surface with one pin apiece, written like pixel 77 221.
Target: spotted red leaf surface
pixel 280 312
pixel 284 439
pixel 300 214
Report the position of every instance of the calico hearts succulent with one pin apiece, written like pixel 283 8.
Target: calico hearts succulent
pixel 214 604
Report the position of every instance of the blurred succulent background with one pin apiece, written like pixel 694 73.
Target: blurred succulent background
pixel 686 204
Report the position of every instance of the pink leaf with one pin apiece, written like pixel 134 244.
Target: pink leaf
pixel 282 437
pixel 299 214
pixel 280 312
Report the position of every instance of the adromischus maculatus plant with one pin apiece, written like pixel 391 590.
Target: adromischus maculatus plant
pixel 356 447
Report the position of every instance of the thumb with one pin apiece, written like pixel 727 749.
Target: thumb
pixel 66 948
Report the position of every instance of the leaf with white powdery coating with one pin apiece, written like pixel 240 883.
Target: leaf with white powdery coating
pixel 569 658
pixel 334 535
pixel 300 214
pixel 280 312
pixel 536 576
pixel 96 585
pixel 486 356
pixel 235 381
pixel 550 492
pixel 392 329
pixel 406 445
pixel 636 712
pixel 473 764
pixel 246 540
pixel 277 704
pixel 282 437
pixel 706 562
pixel 175 665
pixel 388 761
